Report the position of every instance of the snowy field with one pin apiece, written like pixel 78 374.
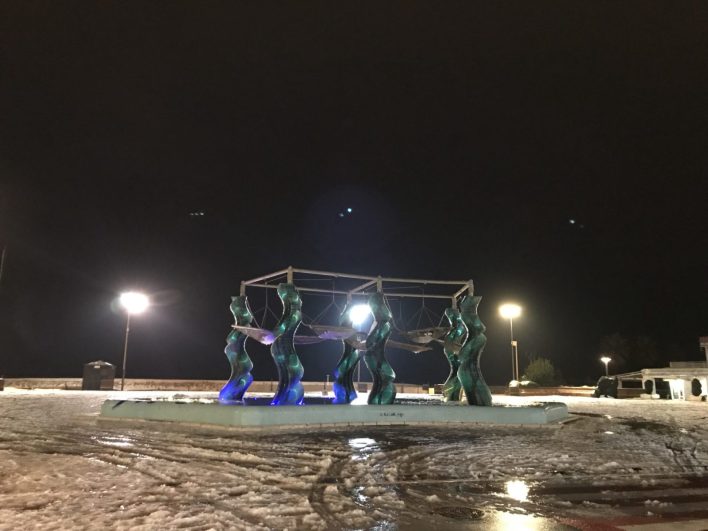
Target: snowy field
pixel 62 469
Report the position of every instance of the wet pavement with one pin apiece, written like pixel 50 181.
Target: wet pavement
pixel 61 468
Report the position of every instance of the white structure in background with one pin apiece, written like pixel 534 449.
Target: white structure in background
pixel 681 380
pixel 687 380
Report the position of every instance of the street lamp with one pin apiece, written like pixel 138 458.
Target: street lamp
pixel 133 303
pixel 605 360
pixel 511 311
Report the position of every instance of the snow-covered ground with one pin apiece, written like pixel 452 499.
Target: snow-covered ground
pixel 60 468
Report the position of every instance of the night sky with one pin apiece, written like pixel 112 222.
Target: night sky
pixel 554 152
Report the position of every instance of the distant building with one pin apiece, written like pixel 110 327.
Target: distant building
pixel 681 380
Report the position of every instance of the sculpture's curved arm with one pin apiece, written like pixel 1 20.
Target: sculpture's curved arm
pixel 290 370
pixel 343 384
pixel 383 390
pixel 241 365
pixel 469 373
pixel 454 339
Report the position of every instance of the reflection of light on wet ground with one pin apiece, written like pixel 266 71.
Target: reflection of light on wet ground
pixel 609 433
pixel 359 495
pixel 363 446
pixel 518 490
pixel 118 441
pixel 361 442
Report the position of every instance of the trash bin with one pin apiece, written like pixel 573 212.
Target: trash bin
pixel 2 384
pixel 98 376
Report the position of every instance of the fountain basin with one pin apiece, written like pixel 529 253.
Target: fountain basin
pixel 216 413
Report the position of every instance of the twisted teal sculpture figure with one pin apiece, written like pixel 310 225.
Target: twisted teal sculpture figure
pixel 383 391
pixel 476 390
pixel 241 365
pixel 343 385
pixel 454 339
pixel 290 371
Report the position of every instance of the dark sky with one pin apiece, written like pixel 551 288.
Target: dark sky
pixel 464 135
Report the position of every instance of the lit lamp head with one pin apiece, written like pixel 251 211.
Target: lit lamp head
pixel 509 311
pixel 605 360
pixel 359 313
pixel 134 302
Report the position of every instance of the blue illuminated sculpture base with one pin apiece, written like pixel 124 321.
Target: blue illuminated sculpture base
pixel 241 365
pixel 290 370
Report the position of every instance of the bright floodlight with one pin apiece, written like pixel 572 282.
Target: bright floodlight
pixel 509 311
pixel 134 302
pixel 359 313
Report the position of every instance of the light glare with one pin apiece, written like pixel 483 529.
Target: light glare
pixel 359 313
pixel 517 490
pixel 509 311
pixel 134 302
pixel 605 360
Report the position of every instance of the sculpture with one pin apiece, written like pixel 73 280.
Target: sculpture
pixel 290 391
pixel 476 390
pixel 383 390
pixel 343 384
pixel 463 340
pixel 454 340
pixel 241 365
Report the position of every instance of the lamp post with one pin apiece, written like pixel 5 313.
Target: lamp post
pixel 510 311
pixel 606 360
pixel 133 303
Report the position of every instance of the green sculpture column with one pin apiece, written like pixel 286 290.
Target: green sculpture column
pixel 476 390
pixel 290 371
pixel 343 384
pixel 454 340
pixel 235 350
pixel 383 390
